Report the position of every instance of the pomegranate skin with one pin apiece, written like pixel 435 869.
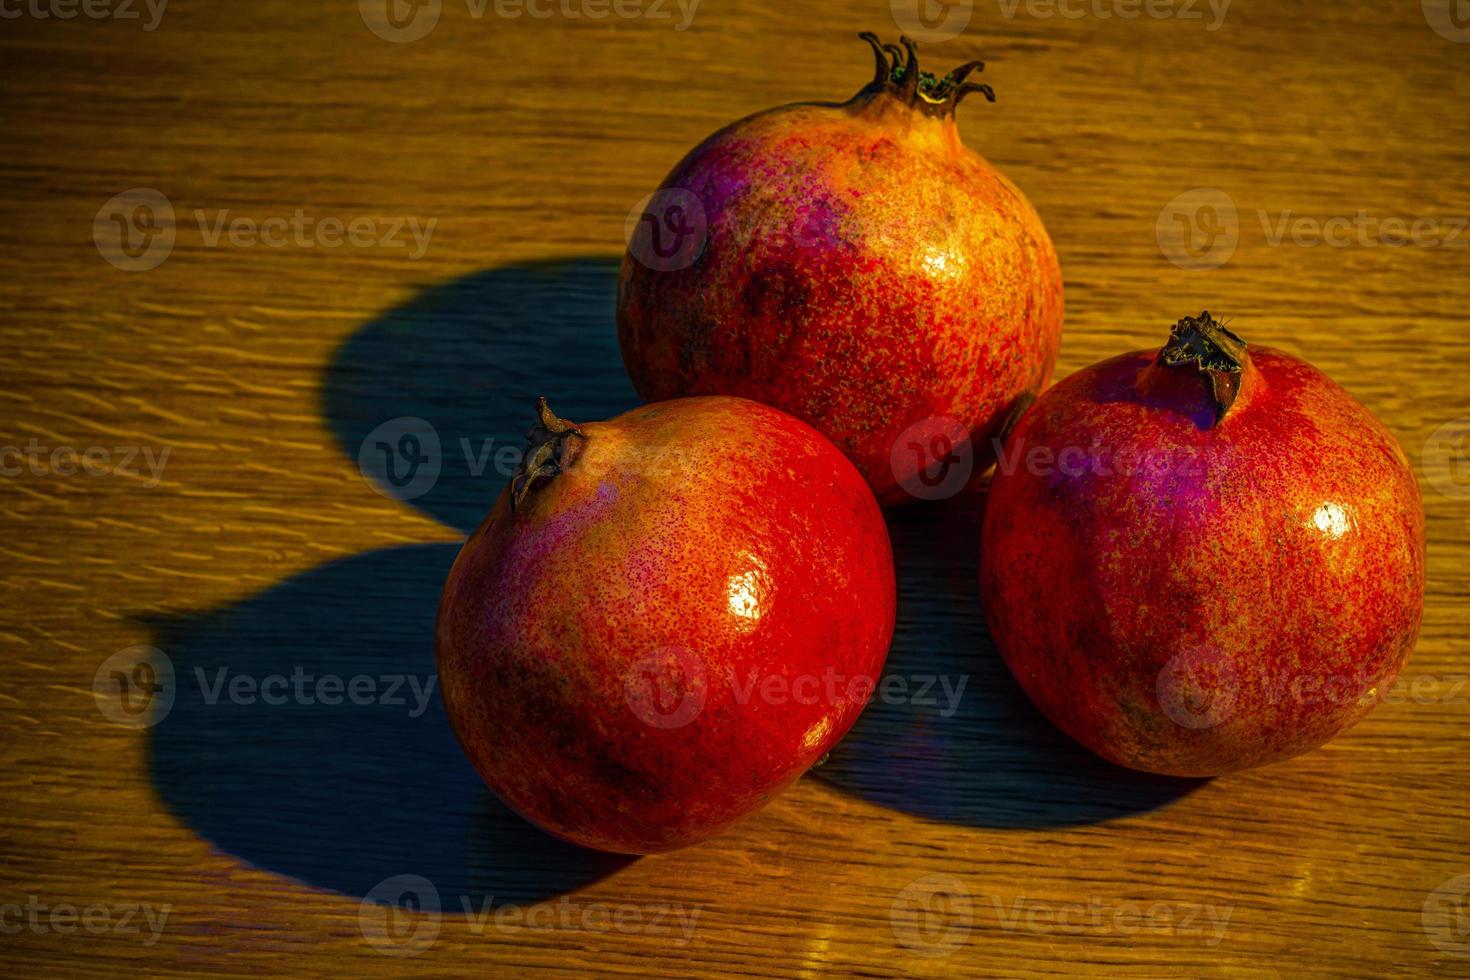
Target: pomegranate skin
pixel 862 269
pixel 1189 592
pixel 636 655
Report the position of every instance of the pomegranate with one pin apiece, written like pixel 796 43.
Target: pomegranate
pixel 857 266
pixel 665 619
pixel 1203 558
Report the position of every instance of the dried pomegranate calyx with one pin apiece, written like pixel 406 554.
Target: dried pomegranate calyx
pixel 898 74
pixel 1209 347
pixel 546 451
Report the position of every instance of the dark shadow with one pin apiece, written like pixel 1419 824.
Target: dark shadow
pixel 987 758
pixel 346 795
pixel 349 795
pixel 470 357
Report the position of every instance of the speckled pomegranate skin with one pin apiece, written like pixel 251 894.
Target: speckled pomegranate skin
pixel 863 271
pixel 622 655
pixel 1246 594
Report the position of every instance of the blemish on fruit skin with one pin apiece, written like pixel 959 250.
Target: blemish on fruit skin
pixel 1293 546
pixel 929 287
pixel 762 550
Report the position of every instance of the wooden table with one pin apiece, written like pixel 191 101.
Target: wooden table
pixel 935 841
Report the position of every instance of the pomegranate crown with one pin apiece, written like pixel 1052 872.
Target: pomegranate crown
pixel 1210 348
pixel 898 74
pixel 546 452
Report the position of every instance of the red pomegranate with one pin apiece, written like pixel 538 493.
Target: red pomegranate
pixel 665 619
pixel 857 266
pixel 1204 558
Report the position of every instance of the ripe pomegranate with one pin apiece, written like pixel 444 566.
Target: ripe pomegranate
pixel 857 266
pixel 1203 558
pixel 665 619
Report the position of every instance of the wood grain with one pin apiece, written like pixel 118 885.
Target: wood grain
pixel 263 550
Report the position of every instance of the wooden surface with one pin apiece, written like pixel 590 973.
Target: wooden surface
pixel 933 842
